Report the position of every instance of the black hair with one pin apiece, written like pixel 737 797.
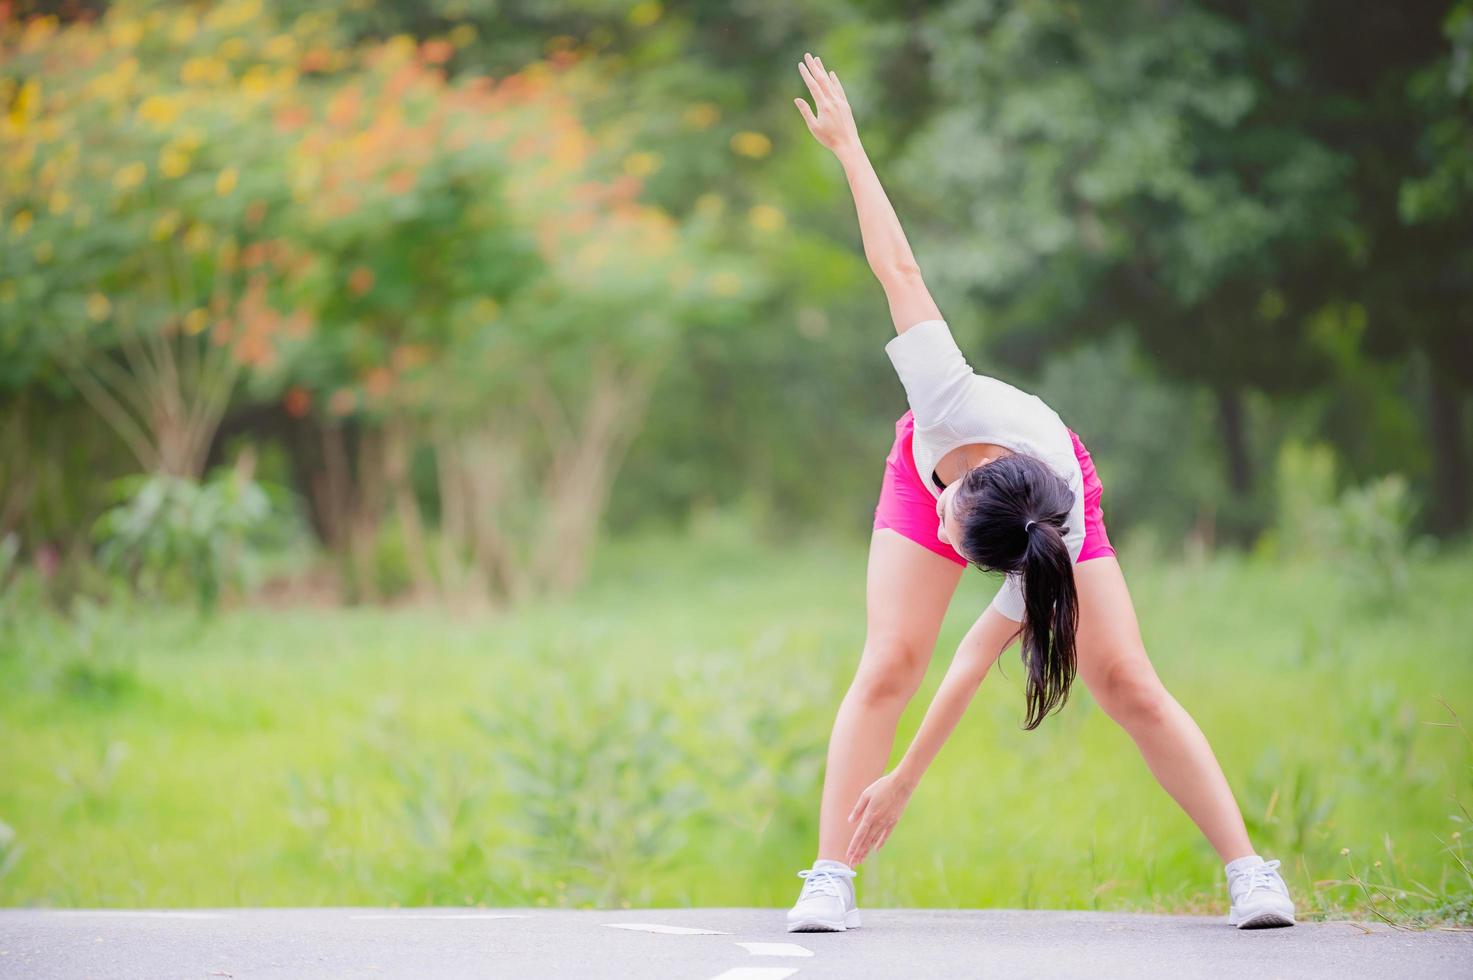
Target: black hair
pixel 1011 513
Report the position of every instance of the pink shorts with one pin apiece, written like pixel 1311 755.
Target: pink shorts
pixel 907 507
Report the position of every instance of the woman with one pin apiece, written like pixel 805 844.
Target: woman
pixel 982 473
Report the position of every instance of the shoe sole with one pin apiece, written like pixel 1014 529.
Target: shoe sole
pixel 1265 919
pixel 851 921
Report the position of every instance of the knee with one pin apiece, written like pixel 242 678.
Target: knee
pixel 890 671
pixel 1133 695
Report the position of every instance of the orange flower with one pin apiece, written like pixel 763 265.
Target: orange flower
pixel 401 181
pixel 292 118
pixel 378 381
pixel 318 59
pixel 297 401
pixel 436 51
pixel 360 281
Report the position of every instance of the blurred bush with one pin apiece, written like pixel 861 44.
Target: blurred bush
pixel 1364 531
pixel 171 537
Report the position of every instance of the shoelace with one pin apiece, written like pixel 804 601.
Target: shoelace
pixel 825 880
pixel 1259 876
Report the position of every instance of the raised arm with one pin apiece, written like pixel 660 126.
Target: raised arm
pixel 885 246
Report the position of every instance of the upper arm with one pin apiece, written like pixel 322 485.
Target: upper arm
pixel 935 373
pixel 910 301
pixel 986 640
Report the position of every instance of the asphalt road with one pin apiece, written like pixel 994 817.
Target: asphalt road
pixel 701 944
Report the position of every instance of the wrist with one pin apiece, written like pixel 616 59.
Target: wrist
pixel 907 775
pixel 850 152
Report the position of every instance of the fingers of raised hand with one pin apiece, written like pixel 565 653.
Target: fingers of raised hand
pixel 838 86
pixel 806 113
pixel 821 76
pixel 814 87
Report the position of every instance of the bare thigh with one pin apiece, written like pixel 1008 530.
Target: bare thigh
pixel 907 590
pixel 1109 647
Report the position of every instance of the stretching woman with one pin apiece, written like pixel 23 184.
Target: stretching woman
pixel 982 473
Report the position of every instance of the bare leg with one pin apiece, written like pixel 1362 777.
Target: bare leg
pixel 1113 663
pixel 907 591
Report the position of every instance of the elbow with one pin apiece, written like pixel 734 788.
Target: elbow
pixel 898 272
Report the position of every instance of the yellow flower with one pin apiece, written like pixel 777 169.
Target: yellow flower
pixel 462 34
pixel 225 183
pixel 750 144
pixel 98 307
pixel 159 110
pixel 184 29
pixel 60 202
pixel 257 80
pixel 21 223
pixel 485 308
pixel 281 47
pixel 228 16
pixel 130 176
pixel 196 320
pixel 203 71
pixel 25 104
pixel 702 115
pixel 173 162
pixel 165 225
pixel 197 238
pixel 125 33
pixel 232 48
pixel 645 13
pixel 400 48
pixel 765 217
pixel 641 164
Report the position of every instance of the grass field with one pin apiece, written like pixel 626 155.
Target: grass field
pixel 659 740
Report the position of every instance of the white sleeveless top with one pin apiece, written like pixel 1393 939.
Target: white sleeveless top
pixel 954 406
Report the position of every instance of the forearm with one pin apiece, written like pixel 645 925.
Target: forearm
pixel 885 244
pixel 979 649
pixel 957 689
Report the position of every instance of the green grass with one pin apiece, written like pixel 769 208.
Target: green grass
pixel 659 740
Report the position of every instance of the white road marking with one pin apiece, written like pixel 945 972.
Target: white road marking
pixel 757 973
pixel 444 915
pixel 671 930
pixel 776 949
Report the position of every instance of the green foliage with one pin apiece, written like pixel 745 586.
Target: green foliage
pixel 1366 530
pixel 329 756
pixel 170 537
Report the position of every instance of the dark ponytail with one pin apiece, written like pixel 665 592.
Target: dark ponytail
pixel 1051 610
pixel 1012 513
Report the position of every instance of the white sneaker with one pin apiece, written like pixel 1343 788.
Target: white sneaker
pixel 826 903
pixel 1260 898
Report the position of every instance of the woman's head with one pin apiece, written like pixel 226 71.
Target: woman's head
pixel 1008 516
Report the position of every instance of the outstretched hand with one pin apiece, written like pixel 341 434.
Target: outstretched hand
pixel 878 809
pixel 830 121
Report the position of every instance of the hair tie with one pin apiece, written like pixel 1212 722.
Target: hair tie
pixel 1029 526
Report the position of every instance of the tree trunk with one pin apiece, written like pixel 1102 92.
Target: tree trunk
pixel 1234 431
pixel 1452 497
